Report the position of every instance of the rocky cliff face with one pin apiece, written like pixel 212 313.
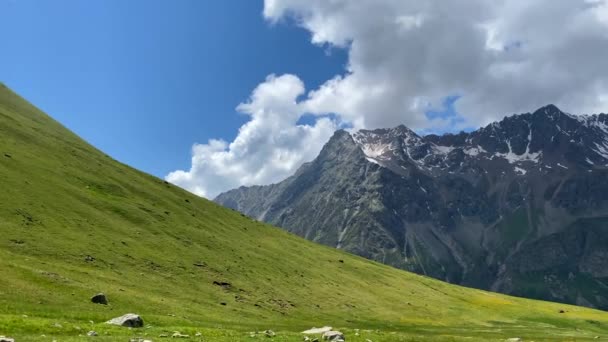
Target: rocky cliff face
pixel 519 206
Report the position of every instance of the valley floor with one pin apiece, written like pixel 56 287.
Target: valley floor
pixel 25 328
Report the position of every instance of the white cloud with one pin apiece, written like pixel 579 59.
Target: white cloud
pixel 501 56
pixel 268 148
pixel 406 56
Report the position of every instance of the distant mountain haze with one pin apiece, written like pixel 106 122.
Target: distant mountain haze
pixel 519 206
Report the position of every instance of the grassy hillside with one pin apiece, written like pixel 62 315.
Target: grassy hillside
pixel 74 222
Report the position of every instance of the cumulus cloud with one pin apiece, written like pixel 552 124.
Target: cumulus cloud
pixel 404 58
pixel 268 148
pixel 500 56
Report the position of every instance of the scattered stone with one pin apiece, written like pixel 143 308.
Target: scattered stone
pixel 57 325
pixel 128 320
pixel 514 339
pixel 314 330
pixel 223 284
pixel 269 333
pixel 368 340
pixel 100 298
pixel 198 334
pixel 335 336
pixel 6 339
pixel 177 334
pixel 92 333
pixel 138 339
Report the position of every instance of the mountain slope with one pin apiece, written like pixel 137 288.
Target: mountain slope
pixel 74 222
pixel 519 206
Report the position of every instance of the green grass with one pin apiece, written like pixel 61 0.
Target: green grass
pixel 74 222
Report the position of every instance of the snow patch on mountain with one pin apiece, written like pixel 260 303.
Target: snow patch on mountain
pixel 513 157
pixel 443 149
pixel 474 151
pixel 601 149
pixel 520 170
pixel 375 150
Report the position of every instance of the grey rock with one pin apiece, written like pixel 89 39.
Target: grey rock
pixel 177 334
pixel 100 298
pixel 6 339
pixel 313 331
pixel 335 336
pixel 92 333
pixel 129 320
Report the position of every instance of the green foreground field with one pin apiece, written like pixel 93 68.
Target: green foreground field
pixel 74 222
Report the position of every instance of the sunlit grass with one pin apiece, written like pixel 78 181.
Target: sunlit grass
pixel 74 222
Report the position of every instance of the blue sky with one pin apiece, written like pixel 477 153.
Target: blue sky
pixel 156 83
pixel 145 79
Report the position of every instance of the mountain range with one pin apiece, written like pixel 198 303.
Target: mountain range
pixel 519 206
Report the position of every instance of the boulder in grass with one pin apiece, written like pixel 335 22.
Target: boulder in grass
pixel 177 334
pixel 100 298
pixel 6 339
pixel 314 331
pixel 129 320
pixel 335 336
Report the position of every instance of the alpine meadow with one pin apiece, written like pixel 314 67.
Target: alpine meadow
pixel 75 222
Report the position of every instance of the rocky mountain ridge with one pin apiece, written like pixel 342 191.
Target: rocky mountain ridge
pixel 519 206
